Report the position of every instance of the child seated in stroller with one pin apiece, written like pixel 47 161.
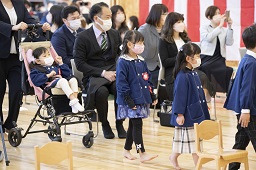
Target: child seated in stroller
pixel 47 71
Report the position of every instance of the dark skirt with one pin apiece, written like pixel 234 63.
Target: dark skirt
pixel 217 72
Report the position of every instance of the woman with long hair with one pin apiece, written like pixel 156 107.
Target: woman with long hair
pixel 151 31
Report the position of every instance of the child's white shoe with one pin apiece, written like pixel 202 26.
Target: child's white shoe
pixel 72 104
pixel 76 106
pixel 79 107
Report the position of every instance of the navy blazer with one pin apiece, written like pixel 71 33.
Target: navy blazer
pixel 133 79
pixel 189 99
pixel 40 79
pixel 243 91
pixel 6 32
pixel 63 42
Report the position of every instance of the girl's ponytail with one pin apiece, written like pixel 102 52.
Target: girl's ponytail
pixel 188 49
pixel 180 62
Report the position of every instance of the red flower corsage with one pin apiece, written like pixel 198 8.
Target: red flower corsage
pixel 145 76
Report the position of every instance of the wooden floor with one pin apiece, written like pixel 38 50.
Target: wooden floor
pixel 107 154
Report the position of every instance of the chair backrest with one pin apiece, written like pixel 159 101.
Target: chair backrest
pixel 75 72
pixel 53 153
pixel 207 130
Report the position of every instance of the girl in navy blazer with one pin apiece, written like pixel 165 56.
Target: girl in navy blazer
pixel 45 72
pixel 189 104
pixel 134 92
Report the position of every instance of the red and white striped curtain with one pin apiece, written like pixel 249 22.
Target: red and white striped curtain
pixel 242 12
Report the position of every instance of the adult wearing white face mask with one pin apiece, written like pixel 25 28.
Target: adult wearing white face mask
pixel 63 39
pixel 173 36
pixel 151 31
pixel 118 19
pixel 96 50
pixel 214 38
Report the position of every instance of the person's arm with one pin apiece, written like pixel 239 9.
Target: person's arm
pixel 38 78
pixel 65 70
pixel 229 37
pixel 247 93
pixel 180 94
pixel 122 85
pixel 59 44
pixel 145 32
pixel 80 57
pixel 166 60
pixel 209 36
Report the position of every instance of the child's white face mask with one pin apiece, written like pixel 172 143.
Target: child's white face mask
pixel 198 63
pixel 48 61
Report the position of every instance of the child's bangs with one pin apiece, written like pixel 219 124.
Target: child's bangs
pixel 137 37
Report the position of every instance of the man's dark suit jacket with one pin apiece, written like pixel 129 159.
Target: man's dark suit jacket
pixel 90 60
pixel 63 42
pixel 6 32
pixel 88 55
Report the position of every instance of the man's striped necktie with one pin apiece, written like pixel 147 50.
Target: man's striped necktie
pixel 104 44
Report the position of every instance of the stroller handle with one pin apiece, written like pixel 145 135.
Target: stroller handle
pixel 36 26
pixel 31 27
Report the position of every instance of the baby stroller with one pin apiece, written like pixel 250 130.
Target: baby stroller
pixel 54 109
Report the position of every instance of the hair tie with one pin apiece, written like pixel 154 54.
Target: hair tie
pixel 121 47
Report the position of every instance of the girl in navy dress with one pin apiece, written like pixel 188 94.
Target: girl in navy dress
pixel 47 72
pixel 134 92
pixel 189 104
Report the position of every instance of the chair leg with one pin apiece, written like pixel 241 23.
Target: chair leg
pixel 246 164
pixel 218 167
pixel 199 164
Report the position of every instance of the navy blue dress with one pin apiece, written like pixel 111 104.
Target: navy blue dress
pixel 133 79
pixel 189 99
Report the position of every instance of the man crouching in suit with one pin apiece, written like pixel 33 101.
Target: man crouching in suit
pixel 95 52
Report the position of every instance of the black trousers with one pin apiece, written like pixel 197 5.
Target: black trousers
pixel 10 70
pixel 243 137
pixel 101 101
pixel 134 134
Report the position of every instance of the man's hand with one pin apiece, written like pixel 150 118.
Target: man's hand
pixel 110 75
pixel 244 119
pixel 180 119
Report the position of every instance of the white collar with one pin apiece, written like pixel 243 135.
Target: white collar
pixel 251 53
pixel 70 30
pixel 97 32
pixel 126 57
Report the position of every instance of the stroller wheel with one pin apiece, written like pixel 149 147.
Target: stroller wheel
pixel 88 140
pixel 14 137
pixel 53 134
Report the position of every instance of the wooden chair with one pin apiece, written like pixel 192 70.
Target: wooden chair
pixel 53 153
pixel 207 130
